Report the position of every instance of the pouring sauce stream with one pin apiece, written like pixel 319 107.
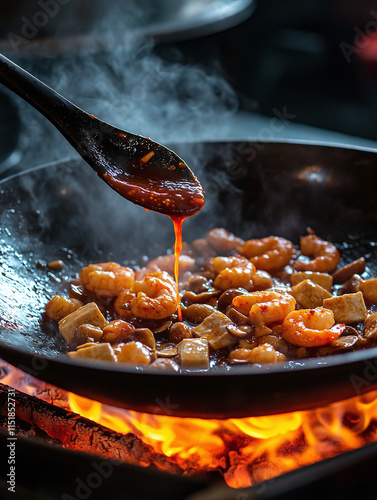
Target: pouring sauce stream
pixel 177 200
pixel 177 221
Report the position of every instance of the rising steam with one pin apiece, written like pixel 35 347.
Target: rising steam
pixel 123 81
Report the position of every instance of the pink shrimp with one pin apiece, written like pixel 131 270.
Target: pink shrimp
pixel 154 297
pixel 233 272
pixel 107 279
pixel 311 327
pixel 325 255
pixel 268 254
pixel 265 307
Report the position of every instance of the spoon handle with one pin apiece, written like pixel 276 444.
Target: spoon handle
pixel 67 118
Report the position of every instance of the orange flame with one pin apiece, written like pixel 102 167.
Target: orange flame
pixel 245 450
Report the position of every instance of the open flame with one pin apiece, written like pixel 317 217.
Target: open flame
pixel 246 450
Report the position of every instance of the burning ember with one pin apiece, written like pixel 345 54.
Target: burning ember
pixel 246 451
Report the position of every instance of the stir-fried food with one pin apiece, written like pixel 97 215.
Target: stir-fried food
pixel 259 301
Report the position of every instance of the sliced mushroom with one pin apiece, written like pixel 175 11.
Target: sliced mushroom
pixel 242 331
pixel 196 313
pixel 344 342
pixel 156 326
pixel 277 343
pixel 198 283
pixel 346 272
pixel 167 351
pixel 370 326
pixel 248 343
pixel 143 335
pixel 341 344
pixel 226 297
pixel 199 298
pixel 237 317
pixel 351 286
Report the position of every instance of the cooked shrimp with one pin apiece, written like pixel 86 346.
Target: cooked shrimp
pixel 222 241
pixel 311 327
pixel 266 307
pixel 165 263
pixel 59 307
pixel 265 353
pixel 232 272
pixel 155 297
pixel 122 305
pixel 325 255
pixel 268 254
pixel 107 279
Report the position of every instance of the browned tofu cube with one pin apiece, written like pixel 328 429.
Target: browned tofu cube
pixel 213 329
pixel 370 326
pixel 322 279
pixel 369 289
pixel 89 314
pixel 194 354
pixel 135 353
pixel 97 351
pixel 309 295
pixel 348 308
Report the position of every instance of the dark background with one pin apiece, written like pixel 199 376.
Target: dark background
pixel 315 59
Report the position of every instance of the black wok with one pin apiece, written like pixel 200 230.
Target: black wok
pixel 64 211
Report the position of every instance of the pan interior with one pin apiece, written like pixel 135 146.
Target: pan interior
pixel 63 211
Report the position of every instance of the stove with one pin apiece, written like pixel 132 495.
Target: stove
pixel 62 454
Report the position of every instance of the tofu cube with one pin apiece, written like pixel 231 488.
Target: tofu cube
pixel 135 353
pixel 309 294
pixel 213 329
pixel 370 326
pixel 194 354
pixel 97 351
pixel 322 279
pixel 348 308
pixel 86 314
pixel 369 289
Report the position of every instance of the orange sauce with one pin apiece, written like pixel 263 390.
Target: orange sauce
pixel 177 200
pixel 178 221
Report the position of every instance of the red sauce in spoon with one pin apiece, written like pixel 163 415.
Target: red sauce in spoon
pixel 168 194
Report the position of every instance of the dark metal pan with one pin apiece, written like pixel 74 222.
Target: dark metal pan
pixel 64 211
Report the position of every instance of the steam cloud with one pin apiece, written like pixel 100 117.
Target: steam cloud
pixel 122 80
pixel 129 86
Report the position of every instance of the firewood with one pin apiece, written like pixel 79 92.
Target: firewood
pixel 34 417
